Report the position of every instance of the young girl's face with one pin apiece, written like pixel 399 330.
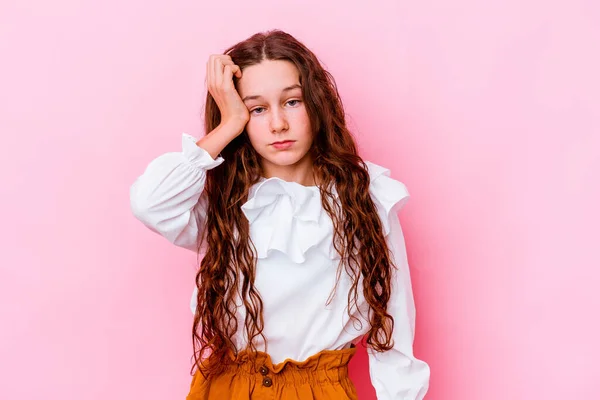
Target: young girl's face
pixel 279 127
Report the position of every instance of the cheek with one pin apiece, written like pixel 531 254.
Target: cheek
pixel 300 121
pixel 256 128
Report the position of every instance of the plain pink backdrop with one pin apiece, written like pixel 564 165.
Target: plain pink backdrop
pixel 487 111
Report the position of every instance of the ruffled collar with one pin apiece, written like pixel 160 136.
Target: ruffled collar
pixel 288 217
pixel 269 190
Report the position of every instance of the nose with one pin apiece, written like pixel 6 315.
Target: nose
pixel 278 121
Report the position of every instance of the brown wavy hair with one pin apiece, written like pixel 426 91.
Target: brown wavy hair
pixel 227 269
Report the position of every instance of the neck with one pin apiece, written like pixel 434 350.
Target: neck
pixel 300 172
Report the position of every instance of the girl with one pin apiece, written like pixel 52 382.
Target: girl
pixel 303 253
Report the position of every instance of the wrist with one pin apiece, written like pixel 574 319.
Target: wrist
pixel 235 125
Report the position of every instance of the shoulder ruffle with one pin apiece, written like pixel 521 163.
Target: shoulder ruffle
pixel 388 194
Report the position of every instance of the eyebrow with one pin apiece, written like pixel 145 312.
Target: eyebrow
pixel 287 89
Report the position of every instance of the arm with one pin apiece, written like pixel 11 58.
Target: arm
pixel 396 374
pixel 167 196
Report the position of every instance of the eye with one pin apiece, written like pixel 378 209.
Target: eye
pixel 295 102
pixel 259 109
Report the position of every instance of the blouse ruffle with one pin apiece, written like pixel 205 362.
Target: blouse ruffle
pixel 198 157
pixel 288 217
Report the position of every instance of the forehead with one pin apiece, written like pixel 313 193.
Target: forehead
pixel 269 77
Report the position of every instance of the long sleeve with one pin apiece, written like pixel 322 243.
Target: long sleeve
pixel 167 196
pixel 396 374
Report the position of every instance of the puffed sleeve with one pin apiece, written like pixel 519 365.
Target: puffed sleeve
pixel 396 374
pixel 167 196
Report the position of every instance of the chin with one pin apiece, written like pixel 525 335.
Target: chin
pixel 284 158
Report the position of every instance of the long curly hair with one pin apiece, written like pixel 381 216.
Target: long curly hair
pixel 227 269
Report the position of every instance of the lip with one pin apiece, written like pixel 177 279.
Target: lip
pixel 285 144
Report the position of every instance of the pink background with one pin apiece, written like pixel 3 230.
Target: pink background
pixel 488 111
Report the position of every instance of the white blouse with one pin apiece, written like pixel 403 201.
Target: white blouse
pixel 296 265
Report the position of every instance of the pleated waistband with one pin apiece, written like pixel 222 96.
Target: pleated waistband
pixel 325 366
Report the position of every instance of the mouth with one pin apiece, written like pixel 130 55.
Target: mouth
pixel 283 142
pixel 283 145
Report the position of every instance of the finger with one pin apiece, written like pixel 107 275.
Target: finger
pixel 237 71
pixel 209 73
pixel 218 72
pixel 226 62
pixel 228 76
pixel 225 59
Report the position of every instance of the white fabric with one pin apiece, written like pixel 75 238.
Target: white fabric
pixel 296 263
